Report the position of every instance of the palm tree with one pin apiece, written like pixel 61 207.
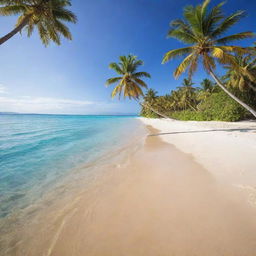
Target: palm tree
pixel 176 100
pixel 187 94
pixel 207 88
pixel 150 96
pixel 187 82
pixel 149 99
pixel 164 103
pixel 202 30
pixel 243 74
pixel 129 82
pixel 46 15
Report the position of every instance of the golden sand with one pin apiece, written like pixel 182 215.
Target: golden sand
pixel 160 203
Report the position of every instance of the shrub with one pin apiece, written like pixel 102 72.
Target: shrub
pixel 218 106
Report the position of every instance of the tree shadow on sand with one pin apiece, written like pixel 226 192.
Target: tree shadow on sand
pixel 212 130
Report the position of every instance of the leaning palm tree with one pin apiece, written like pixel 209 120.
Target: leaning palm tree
pixel 149 99
pixel 202 29
pixel 150 96
pixel 46 15
pixel 129 82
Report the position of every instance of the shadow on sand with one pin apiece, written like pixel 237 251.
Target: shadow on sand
pixel 212 130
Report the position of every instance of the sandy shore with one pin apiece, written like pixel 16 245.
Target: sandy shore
pixel 160 202
pixel 225 149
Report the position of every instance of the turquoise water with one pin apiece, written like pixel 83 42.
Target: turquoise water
pixel 36 151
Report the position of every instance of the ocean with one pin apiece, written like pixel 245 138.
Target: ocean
pixel 39 151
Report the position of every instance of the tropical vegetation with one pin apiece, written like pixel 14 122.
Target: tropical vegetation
pixel 204 29
pixel 230 97
pixel 48 16
pixel 203 102
pixel 129 81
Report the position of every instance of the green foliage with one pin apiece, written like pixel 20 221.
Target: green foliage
pixel 47 16
pixel 204 29
pixel 129 82
pixel 243 75
pixel 205 103
pixel 145 112
pixel 218 107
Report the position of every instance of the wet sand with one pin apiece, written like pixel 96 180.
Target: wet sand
pixel 161 202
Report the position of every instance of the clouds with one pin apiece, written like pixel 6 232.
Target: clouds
pixel 29 104
pixel 46 105
pixel 3 89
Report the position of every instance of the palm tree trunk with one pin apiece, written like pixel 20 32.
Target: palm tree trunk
pixel 252 111
pixel 251 86
pixel 16 29
pixel 192 107
pixel 153 110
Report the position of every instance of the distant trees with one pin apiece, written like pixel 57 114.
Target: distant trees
pixel 205 102
pixel 129 83
pixel 203 30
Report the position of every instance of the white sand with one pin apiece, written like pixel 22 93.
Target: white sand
pixel 227 150
pixel 159 201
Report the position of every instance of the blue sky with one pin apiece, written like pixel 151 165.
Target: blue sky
pixel 70 78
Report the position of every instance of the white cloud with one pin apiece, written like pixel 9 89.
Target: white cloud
pixel 45 105
pixel 2 89
pixel 29 104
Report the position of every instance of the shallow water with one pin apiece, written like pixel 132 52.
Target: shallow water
pixel 158 202
pixel 39 151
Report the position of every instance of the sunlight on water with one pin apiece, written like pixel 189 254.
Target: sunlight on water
pixel 38 150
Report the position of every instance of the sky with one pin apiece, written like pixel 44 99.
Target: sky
pixel 70 79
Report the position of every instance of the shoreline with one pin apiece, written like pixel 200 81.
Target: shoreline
pixel 160 202
pixel 19 227
pixel 226 149
pixel 149 198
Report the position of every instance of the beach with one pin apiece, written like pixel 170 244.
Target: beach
pixel 225 149
pixel 95 159
pixel 159 201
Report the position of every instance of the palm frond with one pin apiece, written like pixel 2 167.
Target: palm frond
pixel 235 37
pixel 182 35
pixel 43 33
pixel 140 82
pixel 47 16
pixel 65 15
pixel 142 74
pixel 183 65
pixel 130 84
pixel 175 53
pixel 118 90
pixel 228 23
pixel 12 10
pixel 234 49
pixel 62 29
pixel 113 80
pixel 214 16
pixel 116 68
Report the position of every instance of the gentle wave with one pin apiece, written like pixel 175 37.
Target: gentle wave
pixel 52 165
pixel 38 150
